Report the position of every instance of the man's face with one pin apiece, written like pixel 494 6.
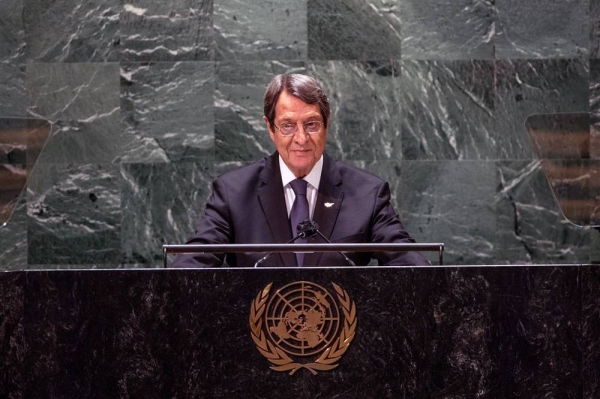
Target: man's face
pixel 301 151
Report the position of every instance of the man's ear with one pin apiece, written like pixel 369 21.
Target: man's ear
pixel 269 128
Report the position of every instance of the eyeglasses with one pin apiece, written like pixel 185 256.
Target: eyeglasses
pixel 289 129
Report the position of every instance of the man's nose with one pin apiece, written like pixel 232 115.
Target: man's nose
pixel 301 136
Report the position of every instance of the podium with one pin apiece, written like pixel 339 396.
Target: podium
pixel 419 332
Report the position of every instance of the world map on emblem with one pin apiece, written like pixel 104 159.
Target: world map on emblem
pixel 302 318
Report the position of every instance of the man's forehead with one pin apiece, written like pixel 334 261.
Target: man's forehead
pixel 289 106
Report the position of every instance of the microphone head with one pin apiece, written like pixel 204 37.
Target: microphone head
pixel 307 229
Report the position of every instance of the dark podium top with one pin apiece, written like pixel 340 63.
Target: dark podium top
pixel 430 332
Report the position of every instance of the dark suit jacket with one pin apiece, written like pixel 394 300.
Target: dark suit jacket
pixel 247 205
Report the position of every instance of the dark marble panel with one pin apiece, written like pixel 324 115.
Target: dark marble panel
pixel 13 101
pixel 84 141
pixel 448 29
pixel 524 88
pixel 13 236
pixel 365 108
pixel 541 29
pixel 436 332
pixel 178 30
pixel 448 109
pixel 12 333
pixel 530 227
pixel 392 172
pixel 74 215
pixel 167 110
pixel 534 335
pixel 595 247
pixel 594 29
pixel 161 204
pixel 82 91
pixel 83 101
pixel 590 330
pixel 223 167
pixel 363 30
pixel 72 30
pixel 260 30
pixel 61 323
pixel 594 86
pixel 240 132
pixel 12 33
pixel 460 304
pixel 504 333
pixel 155 338
pixel 453 203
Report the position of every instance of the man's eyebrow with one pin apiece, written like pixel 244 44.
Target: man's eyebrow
pixel 312 118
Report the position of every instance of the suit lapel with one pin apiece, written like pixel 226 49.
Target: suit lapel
pixel 272 201
pixel 327 208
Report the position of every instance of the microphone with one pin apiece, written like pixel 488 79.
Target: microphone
pixel 315 226
pixel 305 229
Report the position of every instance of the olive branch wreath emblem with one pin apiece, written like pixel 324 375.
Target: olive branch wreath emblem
pixel 280 361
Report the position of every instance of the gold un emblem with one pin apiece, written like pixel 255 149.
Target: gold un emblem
pixel 302 320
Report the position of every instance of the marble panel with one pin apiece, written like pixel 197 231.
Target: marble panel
pixel 72 30
pixel 164 332
pixel 448 29
pixel 365 108
pixel 167 111
pixel 448 110
pixel 534 337
pixel 531 228
pixel 594 29
pixel 82 141
pixel 460 304
pixel 524 88
pixel 452 203
pixel 260 30
pixel 240 132
pixel 424 333
pixel 590 330
pixel 55 306
pixel 500 332
pixel 542 29
pixel 161 204
pixel 178 30
pixel 353 29
pixel 13 236
pixel 595 247
pixel 12 33
pixel 74 215
pixel 82 100
pixel 594 107
pixel 13 101
pixel 224 167
pixel 392 171
pixel 13 343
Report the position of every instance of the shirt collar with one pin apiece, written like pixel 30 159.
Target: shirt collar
pixel 313 178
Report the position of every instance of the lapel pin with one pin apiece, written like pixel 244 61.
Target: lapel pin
pixel 328 204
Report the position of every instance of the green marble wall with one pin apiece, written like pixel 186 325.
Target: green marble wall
pixel 150 100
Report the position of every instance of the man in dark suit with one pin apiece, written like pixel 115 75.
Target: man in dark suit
pixel 262 202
